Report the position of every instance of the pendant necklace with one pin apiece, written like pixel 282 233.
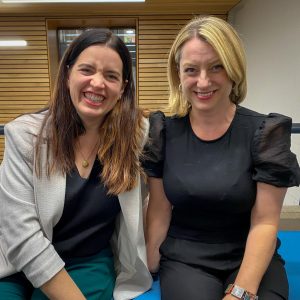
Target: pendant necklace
pixel 85 162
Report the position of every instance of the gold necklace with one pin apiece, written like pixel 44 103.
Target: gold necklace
pixel 85 162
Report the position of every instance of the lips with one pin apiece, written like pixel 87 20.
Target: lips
pixel 204 95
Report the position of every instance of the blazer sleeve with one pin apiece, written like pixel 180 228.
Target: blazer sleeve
pixel 23 242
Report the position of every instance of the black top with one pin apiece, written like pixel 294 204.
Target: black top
pixel 89 214
pixel 212 184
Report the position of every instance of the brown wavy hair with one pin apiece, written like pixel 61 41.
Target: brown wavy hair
pixel 121 133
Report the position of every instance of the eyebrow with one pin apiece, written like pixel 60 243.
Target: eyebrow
pixel 85 65
pixel 212 62
pixel 216 61
pixel 113 71
pixel 91 66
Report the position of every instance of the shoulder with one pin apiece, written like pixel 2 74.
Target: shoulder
pixel 162 124
pixel 176 120
pixel 157 123
pixel 261 122
pixel 176 126
pixel 23 131
pixel 157 117
pixel 25 124
pixel 249 117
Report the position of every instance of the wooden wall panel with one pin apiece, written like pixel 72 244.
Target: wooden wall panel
pixel 24 75
pixel 155 37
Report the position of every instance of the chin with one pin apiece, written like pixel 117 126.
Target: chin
pixel 207 105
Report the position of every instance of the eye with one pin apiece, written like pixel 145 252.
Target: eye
pixel 190 70
pixel 113 77
pixel 85 71
pixel 216 68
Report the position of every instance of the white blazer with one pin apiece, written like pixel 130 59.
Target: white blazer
pixel 30 207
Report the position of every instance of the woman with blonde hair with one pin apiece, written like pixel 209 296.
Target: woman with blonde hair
pixel 218 173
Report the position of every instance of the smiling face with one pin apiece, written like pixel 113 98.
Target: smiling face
pixel 95 83
pixel 205 83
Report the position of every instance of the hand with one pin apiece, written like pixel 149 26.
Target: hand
pixel 153 260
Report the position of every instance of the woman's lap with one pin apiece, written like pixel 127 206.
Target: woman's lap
pixel 181 279
pixel 95 277
pixel 15 287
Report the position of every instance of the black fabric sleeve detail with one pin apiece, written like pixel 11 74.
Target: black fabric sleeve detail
pixel 274 162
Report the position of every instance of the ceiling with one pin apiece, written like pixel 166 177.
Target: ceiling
pixel 149 7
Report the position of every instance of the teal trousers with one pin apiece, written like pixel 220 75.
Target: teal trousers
pixel 95 277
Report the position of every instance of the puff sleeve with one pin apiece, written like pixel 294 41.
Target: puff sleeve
pixel 274 163
pixel 154 150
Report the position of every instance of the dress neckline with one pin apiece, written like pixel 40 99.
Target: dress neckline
pixel 220 137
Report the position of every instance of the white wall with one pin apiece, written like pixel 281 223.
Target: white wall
pixel 270 30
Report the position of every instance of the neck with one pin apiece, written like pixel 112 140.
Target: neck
pixel 92 126
pixel 90 134
pixel 217 116
pixel 211 125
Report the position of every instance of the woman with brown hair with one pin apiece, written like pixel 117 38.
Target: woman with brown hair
pixel 70 178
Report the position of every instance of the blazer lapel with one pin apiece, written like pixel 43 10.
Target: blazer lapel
pixel 49 196
pixel 130 203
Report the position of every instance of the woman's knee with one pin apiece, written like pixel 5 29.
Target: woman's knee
pixel 181 281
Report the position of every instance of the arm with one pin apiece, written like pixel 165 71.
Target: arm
pixel 261 240
pixel 157 221
pixel 25 244
pixel 62 287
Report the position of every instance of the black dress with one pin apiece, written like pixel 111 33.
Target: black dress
pixel 212 184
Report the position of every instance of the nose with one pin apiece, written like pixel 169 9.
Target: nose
pixel 203 79
pixel 97 80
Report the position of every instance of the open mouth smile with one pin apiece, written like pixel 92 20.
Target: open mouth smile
pixel 93 97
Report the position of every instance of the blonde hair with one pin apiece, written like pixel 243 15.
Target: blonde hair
pixel 225 41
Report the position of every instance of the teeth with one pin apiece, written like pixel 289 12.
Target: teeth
pixel 93 97
pixel 204 94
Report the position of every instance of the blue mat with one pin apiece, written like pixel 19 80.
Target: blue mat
pixel 290 251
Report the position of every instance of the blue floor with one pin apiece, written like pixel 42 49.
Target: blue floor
pixel 290 251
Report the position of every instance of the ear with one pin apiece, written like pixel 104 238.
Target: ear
pixel 68 77
pixel 123 87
